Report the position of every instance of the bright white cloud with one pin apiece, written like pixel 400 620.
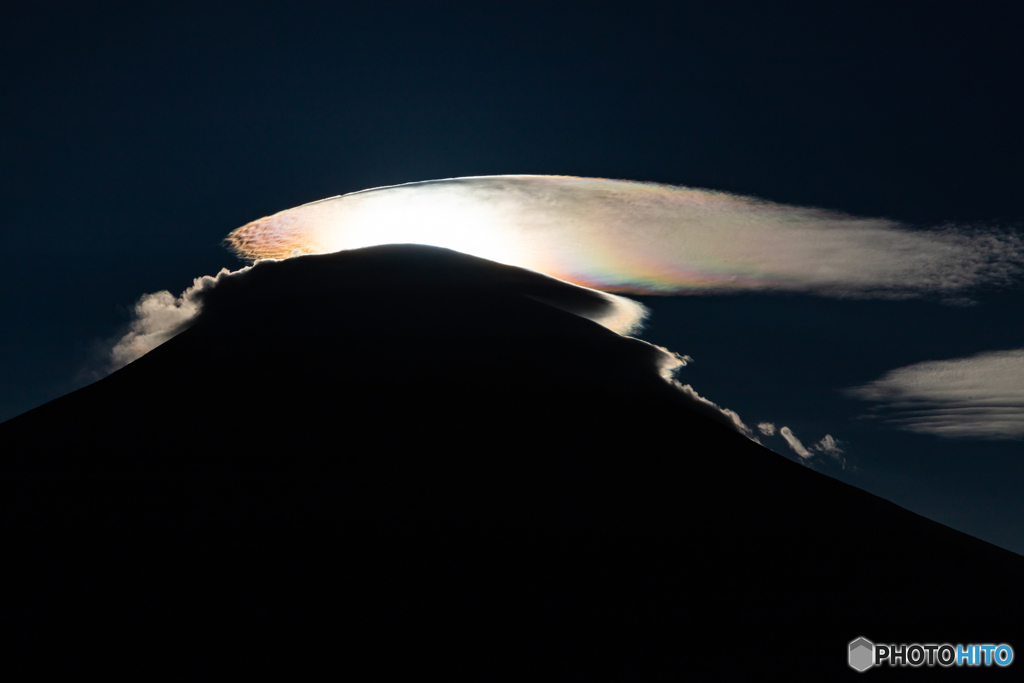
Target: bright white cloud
pixel 981 396
pixel 643 237
pixel 794 443
pixel 158 317
pixel 766 428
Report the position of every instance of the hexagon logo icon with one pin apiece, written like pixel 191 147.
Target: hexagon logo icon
pixel 862 654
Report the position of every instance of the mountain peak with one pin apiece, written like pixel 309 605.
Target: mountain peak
pixel 404 461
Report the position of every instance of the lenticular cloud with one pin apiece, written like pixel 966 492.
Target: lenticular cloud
pixel 644 238
pixel 981 396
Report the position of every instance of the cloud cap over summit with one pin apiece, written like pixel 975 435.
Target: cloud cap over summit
pixel 645 238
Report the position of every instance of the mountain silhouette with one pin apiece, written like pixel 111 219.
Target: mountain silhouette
pixel 405 463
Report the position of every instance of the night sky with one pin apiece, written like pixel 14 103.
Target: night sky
pixel 136 137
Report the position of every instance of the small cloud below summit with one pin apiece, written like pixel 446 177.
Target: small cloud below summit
pixel 831 447
pixel 795 443
pixel 828 445
pixel 156 318
pixel 703 406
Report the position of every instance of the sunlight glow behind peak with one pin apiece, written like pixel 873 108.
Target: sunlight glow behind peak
pixel 445 220
pixel 402 214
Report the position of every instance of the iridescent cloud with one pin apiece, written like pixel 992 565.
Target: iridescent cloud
pixel 644 238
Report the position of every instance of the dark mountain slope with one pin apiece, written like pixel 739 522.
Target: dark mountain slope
pixel 400 464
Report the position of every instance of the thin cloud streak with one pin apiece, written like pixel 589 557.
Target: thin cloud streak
pixel 981 396
pixel 794 443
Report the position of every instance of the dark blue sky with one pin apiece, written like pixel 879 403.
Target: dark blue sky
pixel 135 137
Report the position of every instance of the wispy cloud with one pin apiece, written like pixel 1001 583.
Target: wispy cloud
pixel 795 443
pixel 643 237
pixel 981 396
pixel 828 445
pixel 831 447
pixel 158 317
pixel 709 409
